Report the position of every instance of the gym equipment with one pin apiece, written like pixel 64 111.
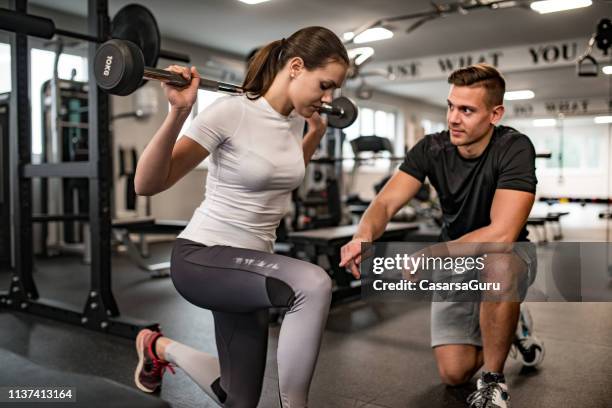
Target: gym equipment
pixel 64 139
pixel 580 200
pixel 5 215
pixel 604 35
pixel 552 220
pixel 375 146
pixel 145 226
pixel 99 311
pixel 328 241
pixel 133 23
pixel 120 67
pixel 586 65
pixel 343 112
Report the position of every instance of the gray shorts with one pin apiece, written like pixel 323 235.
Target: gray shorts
pixel 459 322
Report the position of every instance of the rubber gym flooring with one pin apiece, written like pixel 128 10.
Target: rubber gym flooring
pixel 373 354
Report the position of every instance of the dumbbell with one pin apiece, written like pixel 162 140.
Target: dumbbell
pixel 119 69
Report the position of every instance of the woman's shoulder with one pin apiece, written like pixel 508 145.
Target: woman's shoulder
pixel 226 101
pixel 224 108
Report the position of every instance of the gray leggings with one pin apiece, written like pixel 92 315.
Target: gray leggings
pixel 239 286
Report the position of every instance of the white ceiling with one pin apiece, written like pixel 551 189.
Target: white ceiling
pixel 236 27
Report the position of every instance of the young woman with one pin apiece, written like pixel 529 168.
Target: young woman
pixel 223 260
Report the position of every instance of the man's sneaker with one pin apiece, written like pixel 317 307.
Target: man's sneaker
pixel 526 347
pixel 150 369
pixel 489 393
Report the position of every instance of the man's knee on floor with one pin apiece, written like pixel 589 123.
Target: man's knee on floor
pixel 455 375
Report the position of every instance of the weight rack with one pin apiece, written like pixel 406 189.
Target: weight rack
pixel 100 312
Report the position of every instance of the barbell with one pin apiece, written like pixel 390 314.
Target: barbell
pixel 134 23
pixel 119 68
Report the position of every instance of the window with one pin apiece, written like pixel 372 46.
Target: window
pixel 583 144
pixel 5 66
pixel 370 122
pixel 430 127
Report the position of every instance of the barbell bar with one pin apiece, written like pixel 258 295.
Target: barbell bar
pixel 119 68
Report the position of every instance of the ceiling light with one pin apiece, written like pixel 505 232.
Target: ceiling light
pixel 518 95
pixel 360 54
pixel 504 4
pixel 348 36
pixel 544 122
pixel 551 6
pixel 373 34
pixel 603 119
pixel 253 1
pixel 607 70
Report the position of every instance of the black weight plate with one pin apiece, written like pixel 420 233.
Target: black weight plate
pixel 349 116
pixel 137 24
pixel 109 65
pixel 135 70
pixel 118 67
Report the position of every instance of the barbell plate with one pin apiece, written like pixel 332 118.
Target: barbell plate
pixel 118 67
pixel 350 113
pixel 137 24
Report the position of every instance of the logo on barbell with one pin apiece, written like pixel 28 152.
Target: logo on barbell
pixel 107 66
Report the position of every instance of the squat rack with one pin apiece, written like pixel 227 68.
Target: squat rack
pixel 100 312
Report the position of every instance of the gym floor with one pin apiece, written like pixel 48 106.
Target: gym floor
pixel 373 354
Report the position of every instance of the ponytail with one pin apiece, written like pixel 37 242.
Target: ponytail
pixel 262 70
pixel 316 46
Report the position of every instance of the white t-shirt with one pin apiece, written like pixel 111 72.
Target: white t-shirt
pixel 256 160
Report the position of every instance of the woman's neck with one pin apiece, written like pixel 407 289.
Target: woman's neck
pixel 277 96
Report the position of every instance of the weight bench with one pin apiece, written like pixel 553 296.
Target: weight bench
pixel 539 224
pixel 539 227
pixel 122 229
pixel 328 241
pixel 554 219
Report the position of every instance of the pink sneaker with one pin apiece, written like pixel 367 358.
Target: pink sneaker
pixel 150 369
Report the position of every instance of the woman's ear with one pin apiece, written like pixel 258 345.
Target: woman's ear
pixel 296 66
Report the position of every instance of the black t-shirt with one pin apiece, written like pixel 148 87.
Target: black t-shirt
pixel 466 186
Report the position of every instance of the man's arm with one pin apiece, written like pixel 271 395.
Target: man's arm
pixel 509 213
pixel 400 189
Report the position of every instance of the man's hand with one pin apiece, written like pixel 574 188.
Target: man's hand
pixel 350 255
pixel 415 265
